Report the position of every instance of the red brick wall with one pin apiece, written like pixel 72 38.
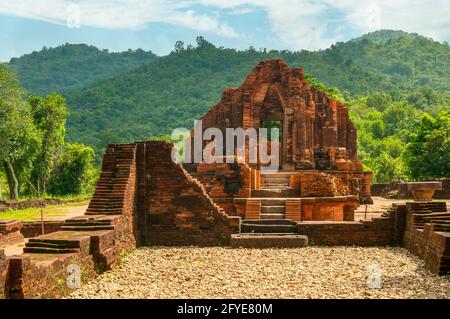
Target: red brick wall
pixel 174 206
pixel 317 184
pixel 424 241
pixel 31 203
pixel 4 266
pixel 378 232
pixel 33 229
pixel 10 232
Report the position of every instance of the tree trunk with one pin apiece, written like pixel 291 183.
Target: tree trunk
pixel 13 183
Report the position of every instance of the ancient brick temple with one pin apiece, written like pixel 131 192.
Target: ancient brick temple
pixel 143 197
pixel 320 176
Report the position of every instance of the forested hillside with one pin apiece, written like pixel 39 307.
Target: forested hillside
pixel 173 90
pixel 396 85
pixel 72 66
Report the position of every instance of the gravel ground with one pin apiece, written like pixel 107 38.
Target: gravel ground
pixel 310 272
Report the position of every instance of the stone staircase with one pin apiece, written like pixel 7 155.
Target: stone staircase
pixel 431 213
pixel 275 186
pixel 272 229
pixel 110 190
pixel 88 223
pixel 268 233
pixel 272 208
pixel 57 243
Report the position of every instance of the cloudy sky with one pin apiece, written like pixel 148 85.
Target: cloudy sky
pixel 28 25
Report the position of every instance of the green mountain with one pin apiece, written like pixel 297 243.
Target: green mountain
pixel 171 91
pixel 386 35
pixel 72 66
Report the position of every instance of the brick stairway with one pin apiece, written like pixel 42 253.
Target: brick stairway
pixel 275 186
pixel 269 233
pixel 428 234
pixel 105 207
pixel 431 213
pixel 110 191
pixel 272 208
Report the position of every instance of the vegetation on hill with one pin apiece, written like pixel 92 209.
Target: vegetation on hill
pixel 171 91
pixel 72 66
pixel 392 81
pixel 395 138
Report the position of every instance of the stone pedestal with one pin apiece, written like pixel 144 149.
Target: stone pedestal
pixel 423 191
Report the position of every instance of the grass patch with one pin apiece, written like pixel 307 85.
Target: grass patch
pixel 50 212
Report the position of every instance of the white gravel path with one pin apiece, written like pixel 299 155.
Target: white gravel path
pixel 310 272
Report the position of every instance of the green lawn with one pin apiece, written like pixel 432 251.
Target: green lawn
pixel 50 212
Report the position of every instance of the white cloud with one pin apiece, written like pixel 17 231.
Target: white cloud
pixel 300 24
pixel 305 24
pixel 133 14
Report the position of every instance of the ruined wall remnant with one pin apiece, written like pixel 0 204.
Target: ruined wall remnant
pixel 427 234
pixel 173 207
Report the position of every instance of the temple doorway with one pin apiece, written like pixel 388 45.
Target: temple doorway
pixel 271 125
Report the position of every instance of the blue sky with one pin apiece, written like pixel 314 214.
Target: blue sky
pixel 117 25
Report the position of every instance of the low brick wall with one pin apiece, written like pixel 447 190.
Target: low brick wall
pixel 33 229
pixel 34 203
pixel 377 188
pixel 10 232
pixel 423 240
pixel 32 278
pixel 4 265
pixel 445 192
pixel 377 232
pixel 399 191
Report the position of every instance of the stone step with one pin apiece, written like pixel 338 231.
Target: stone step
pixel 276 186
pixel 272 209
pixel 275 193
pixel 262 228
pixel 275 222
pixel 268 240
pixel 44 244
pixel 272 215
pixel 87 223
pixel 60 242
pixel 87 228
pixel 272 202
pixel 281 181
pixel 47 250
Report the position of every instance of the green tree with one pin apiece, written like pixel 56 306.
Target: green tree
pixel 49 114
pixel 400 118
pixel 19 138
pixel 428 152
pixel 379 100
pixel 75 172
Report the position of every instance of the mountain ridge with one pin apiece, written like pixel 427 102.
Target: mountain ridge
pixel 170 91
pixel 72 66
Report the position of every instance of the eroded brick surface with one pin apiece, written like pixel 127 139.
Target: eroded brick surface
pixel 10 232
